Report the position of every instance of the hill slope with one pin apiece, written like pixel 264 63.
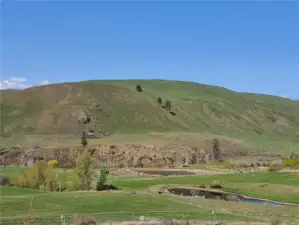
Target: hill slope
pixel 116 106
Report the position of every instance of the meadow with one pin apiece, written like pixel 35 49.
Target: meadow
pixel 137 198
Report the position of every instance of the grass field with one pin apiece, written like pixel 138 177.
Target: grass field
pixel 279 186
pixel 10 171
pixel 135 199
pixel 17 191
pixel 74 202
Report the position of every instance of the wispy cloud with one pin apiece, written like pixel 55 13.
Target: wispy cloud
pixel 44 82
pixel 19 83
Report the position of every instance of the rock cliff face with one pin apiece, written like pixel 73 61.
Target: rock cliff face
pixel 121 155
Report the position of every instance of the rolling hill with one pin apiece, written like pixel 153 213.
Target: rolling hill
pixel 116 107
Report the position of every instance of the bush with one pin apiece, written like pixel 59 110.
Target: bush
pixel 216 184
pixel 102 180
pixel 291 163
pixel 75 184
pixel 33 177
pixel 274 168
pixel 168 105
pixel 172 113
pixel 4 181
pixel 138 88
pixel 160 101
pixel 228 164
pixel 91 130
pixel 53 163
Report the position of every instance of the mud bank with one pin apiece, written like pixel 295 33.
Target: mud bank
pixel 221 195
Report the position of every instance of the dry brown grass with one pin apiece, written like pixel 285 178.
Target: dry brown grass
pixel 275 222
pixel 83 220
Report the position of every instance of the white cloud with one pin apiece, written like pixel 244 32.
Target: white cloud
pixel 44 82
pixel 14 83
pixel 19 83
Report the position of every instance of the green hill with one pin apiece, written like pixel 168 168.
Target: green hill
pixel 116 107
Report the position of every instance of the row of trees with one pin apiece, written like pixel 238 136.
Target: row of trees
pixel 43 175
pixel 167 105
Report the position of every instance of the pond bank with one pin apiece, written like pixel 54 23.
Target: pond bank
pixel 222 195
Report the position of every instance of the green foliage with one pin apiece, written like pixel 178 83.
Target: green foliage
pixel 102 179
pixel 4 181
pixel 50 182
pixel 62 181
pixel 91 130
pixel 41 176
pixel 168 105
pixel 138 88
pixel 228 164
pixel 160 101
pixel 75 183
pixel 291 163
pixel 33 177
pixel 84 170
pixel 53 163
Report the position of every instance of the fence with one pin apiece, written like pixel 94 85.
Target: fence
pixel 106 217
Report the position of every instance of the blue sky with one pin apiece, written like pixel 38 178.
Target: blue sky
pixel 251 47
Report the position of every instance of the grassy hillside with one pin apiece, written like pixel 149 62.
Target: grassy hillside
pixel 116 107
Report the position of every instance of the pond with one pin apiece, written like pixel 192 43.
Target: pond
pixel 221 195
pixel 260 202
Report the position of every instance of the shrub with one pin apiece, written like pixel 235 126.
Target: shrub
pixel 216 149
pixel 33 177
pixel 291 163
pixel 53 163
pixel 88 119
pixel 102 179
pixel 75 184
pixel 228 164
pixel 160 101
pixel 168 105
pixel 274 168
pixel 172 113
pixel 3 151
pixel 293 155
pixel 138 88
pixel 4 181
pixel 91 130
pixel 215 184
pixel 84 139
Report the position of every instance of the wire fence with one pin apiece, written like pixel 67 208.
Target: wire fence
pixel 110 217
pixel 106 217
